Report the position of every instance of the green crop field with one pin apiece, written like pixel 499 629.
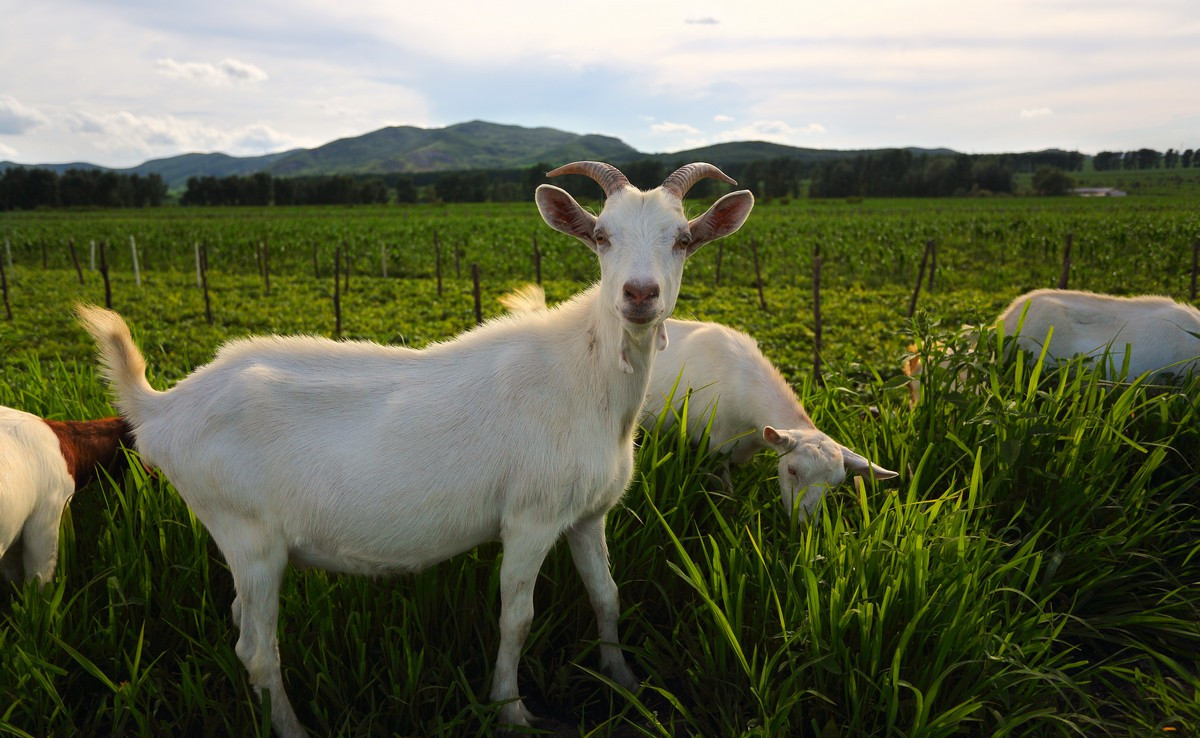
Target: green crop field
pixel 1034 570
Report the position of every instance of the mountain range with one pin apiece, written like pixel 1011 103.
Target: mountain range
pixel 464 146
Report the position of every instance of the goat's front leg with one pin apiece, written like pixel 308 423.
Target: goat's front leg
pixel 590 551
pixel 525 547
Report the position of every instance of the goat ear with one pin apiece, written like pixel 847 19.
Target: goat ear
pixel 563 214
pixel 858 465
pixel 779 440
pixel 723 218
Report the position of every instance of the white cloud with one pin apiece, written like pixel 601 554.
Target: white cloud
pixel 8 151
pixel 1030 113
pixel 225 72
pixel 776 131
pixel 16 117
pixel 163 135
pixel 674 128
pixel 723 119
pixel 705 21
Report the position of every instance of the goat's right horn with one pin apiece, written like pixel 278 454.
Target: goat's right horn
pixel 608 176
pixel 683 178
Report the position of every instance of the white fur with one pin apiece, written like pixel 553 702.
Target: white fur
pixel 35 486
pixel 363 458
pixel 755 408
pixel 1157 330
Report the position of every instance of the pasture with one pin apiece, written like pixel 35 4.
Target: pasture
pixel 1034 570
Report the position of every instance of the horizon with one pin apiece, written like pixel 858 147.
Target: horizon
pixel 250 80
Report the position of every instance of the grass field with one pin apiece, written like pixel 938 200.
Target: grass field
pixel 1034 570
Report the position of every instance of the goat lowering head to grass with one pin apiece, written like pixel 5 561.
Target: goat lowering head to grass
pixel 349 455
pixel 42 464
pixel 723 373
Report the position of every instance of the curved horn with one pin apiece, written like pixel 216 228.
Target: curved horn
pixel 682 179
pixel 609 177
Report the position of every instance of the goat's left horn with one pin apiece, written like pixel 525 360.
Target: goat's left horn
pixel 608 176
pixel 683 178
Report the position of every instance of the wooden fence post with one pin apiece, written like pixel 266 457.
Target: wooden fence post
pixel 137 272
pixel 537 260
pixel 202 265
pixel 266 247
pixel 762 300
pixel 75 259
pixel 932 263
pixel 104 273
pixel 437 261
pixel 1195 265
pixel 912 303
pixel 4 286
pixel 337 295
pixel 478 306
pixel 817 315
pixel 720 253
pixel 1066 264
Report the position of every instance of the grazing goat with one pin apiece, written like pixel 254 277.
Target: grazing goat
pixel 1162 335
pixel 362 458
pixel 42 463
pixel 754 406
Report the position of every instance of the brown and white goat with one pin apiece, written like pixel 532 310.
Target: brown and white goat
pixel 42 464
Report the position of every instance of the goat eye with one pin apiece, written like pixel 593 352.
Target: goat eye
pixel 683 241
pixel 792 471
pixel 600 239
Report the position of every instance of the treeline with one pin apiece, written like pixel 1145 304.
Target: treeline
pixel 1108 161
pixel 263 189
pixel 900 173
pixel 23 188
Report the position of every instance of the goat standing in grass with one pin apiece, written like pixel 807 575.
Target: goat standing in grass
pixel 42 464
pixel 751 405
pixel 357 457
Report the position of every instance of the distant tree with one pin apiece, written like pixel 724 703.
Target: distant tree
pixel 645 174
pixel 1187 158
pixel 1148 159
pixel 1171 158
pixel 1052 181
pixel 1106 160
pixel 406 189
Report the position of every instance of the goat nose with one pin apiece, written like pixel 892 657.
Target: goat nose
pixel 640 292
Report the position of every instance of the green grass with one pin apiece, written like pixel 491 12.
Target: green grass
pixel 1034 570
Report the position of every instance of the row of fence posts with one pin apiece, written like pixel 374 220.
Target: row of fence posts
pixel 341 279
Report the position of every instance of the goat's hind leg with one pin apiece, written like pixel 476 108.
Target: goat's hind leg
pixel 590 552
pixel 257 559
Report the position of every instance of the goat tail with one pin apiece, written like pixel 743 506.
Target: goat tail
pixel 121 363
pixel 528 299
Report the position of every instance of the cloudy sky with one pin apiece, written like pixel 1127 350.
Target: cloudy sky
pixel 116 82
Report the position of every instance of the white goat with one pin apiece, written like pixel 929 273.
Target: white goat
pixel 362 458
pixel 755 408
pixel 1162 335
pixel 42 464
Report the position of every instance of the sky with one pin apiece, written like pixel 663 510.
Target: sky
pixel 118 82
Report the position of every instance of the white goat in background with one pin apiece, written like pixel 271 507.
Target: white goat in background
pixel 357 457
pixel 1162 335
pixel 755 408
pixel 42 464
